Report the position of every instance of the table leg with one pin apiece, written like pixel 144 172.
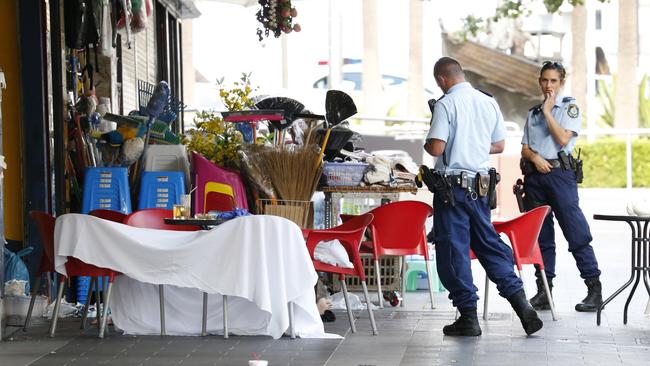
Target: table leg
pixel 225 317
pixel 629 298
pixel 646 265
pixel 328 210
pixel 638 267
pixel 625 285
pixel 204 322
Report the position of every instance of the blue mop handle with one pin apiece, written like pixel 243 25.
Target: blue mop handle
pixel 157 103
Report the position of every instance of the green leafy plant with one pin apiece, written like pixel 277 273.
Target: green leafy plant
pixel 215 139
pixel 605 166
pixel 607 94
pixel 644 102
pixel 472 26
pixel 513 9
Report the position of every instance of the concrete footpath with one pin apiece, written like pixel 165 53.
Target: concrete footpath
pixel 410 335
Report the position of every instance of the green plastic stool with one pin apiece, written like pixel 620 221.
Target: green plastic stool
pixel 417 266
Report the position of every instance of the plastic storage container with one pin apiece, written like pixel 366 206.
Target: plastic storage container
pixel 344 174
pixel 168 158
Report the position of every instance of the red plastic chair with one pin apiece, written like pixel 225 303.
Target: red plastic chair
pixel 46 230
pixel 219 201
pixel 398 229
pixel 350 235
pixel 154 218
pixel 74 267
pixel 523 232
pixel 109 215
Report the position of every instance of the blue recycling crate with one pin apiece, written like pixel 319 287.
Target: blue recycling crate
pixel 161 189
pixel 107 189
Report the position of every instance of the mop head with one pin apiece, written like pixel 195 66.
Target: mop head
pixel 131 150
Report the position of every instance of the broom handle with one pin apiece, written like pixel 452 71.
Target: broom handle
pixel 139 167
pixel 322 150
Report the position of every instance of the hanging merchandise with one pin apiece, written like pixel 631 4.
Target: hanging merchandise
pixel 141 10
pixel 125 18
pixel 82 18
pixel 106 30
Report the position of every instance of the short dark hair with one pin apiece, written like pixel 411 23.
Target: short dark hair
pixel 553 65
pixel 447 66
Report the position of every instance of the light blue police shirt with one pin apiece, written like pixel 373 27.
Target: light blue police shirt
pixel 469 121
pixel 537 135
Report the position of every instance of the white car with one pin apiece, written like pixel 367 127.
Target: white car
pixel 393 98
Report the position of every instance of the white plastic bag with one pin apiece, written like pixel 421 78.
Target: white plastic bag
pixel 66 310
pixel 332 252
pixel 15 288
pixel 338 302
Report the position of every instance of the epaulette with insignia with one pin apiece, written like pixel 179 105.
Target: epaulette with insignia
pixel 568 99
pixel 486 93
pixel 536 109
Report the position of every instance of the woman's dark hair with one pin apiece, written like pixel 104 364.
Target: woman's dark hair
pixel 553 65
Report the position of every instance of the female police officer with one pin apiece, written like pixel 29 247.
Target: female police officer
pixel 466 127
pixel 550 178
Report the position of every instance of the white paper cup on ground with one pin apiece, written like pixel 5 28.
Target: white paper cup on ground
pixel 258 363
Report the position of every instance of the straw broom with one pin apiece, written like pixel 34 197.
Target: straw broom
pixel 290 171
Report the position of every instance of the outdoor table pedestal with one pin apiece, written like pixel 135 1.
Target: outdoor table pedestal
pixel 640 258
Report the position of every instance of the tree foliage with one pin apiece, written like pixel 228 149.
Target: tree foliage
pixel 513 9
pixel 607 94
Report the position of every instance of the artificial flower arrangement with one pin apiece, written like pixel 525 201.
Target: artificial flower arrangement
pixel 215 139
pixel 276 16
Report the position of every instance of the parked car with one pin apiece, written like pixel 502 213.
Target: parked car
pixel 393 99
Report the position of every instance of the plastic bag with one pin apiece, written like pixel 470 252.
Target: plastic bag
pixel 332 252
pixel 15 268
pixel 338 302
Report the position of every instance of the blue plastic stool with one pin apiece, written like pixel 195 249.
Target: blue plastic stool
pixel 417 269
pixel 108 189
pixel 161 189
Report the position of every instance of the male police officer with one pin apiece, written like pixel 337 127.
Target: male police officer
pixel 466 127
pixel 550 178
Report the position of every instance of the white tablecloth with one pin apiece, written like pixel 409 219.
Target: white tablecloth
pixel 260 262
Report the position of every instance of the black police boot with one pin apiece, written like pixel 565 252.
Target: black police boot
pixel 528 316
pixel 540 300
pixel 594 297
pixel 465 326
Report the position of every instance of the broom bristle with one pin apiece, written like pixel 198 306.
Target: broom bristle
pixel 291 170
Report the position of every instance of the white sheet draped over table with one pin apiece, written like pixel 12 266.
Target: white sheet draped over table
pixel 260 262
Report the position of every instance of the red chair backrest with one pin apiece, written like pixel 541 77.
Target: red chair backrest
pixel 398 228
pixel 219 201
pixel 523 232
pixel 45 225
pixel 74 267
pixel 154 218
pixel 110 215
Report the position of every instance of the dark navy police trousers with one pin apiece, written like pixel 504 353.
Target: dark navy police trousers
pixel 465 226
pixel 559 189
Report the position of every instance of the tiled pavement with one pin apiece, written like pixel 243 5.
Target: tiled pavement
pixel 408 336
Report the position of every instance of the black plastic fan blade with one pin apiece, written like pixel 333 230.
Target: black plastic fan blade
pixel 288 105
pixel 338 107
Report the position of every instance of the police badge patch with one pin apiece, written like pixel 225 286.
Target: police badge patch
pixel 573 111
